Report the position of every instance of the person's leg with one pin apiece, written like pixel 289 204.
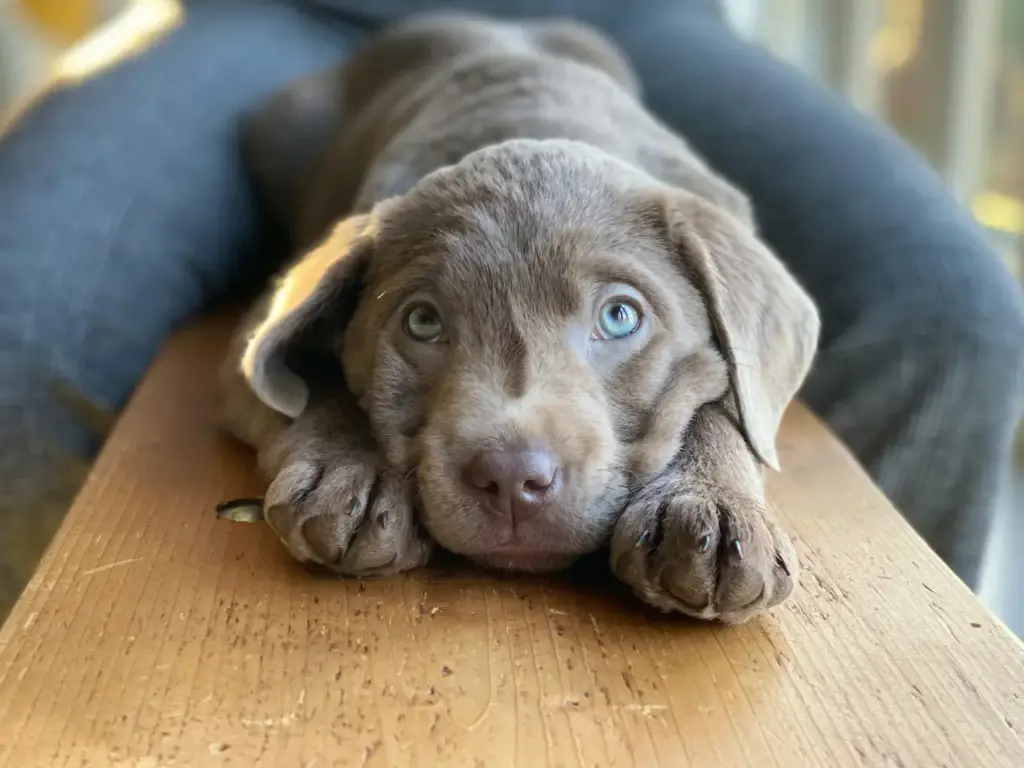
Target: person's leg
pixel 124 212
pixel 921 369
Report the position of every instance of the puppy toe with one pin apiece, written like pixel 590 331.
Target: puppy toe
pixel 630 544
pixel 389 540
pixel 328 535
pixel 687 556
pixel 292 484
pixel 745 560
pixel 285 511
pixel 663 547
pixel 757 563
pixel 316 509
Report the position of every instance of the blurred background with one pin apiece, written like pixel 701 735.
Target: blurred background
pixel 948 75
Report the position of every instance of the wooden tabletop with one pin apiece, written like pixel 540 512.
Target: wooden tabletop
pixel 154 635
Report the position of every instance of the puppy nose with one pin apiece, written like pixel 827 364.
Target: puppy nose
pixel 518 483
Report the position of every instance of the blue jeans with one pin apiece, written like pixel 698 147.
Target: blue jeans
pixel 124 212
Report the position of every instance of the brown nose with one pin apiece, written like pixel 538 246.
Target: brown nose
pixel 516 483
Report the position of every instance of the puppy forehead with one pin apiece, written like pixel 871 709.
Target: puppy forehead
pixel 508 265
pixel 501 257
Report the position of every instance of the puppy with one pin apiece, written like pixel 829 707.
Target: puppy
pixel 526 322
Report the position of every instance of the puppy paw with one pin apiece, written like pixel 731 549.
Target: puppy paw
pixel 344 513
pixel 686 545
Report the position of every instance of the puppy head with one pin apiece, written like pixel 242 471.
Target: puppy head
pixel 530 332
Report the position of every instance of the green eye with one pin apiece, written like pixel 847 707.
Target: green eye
pixel 618 319
pixel 422 323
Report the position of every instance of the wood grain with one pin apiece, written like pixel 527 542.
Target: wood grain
pixel 155 635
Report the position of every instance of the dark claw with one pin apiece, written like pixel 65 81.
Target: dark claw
pixel 737 549
pixel 704 544
pixel 782 564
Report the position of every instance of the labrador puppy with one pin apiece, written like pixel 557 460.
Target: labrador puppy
pixel 525 322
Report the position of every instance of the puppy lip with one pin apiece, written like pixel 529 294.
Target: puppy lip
pixel 511 544
pixel 518 550
pixel 524 559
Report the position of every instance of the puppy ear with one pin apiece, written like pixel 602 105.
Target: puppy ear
pixel 765 324
pixel 324 281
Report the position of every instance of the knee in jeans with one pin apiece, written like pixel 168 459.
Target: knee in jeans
pixel 975 332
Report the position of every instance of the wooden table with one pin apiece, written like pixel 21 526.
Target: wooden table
pixel 154 635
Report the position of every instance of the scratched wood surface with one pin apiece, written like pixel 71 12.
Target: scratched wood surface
pixel 154 635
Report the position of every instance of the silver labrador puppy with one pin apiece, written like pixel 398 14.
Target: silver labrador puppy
pixel 525 322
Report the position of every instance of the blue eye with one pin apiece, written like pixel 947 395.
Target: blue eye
pixel 618 319
pixel 422 323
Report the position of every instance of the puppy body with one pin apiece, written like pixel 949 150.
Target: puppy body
pixel 428 92
pixel 508 179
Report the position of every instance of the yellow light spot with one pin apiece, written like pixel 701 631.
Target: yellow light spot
pixel 140 24
pixel 1000 212
pixel 64 20
pixel 899 39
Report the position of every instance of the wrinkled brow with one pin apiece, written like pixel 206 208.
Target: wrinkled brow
pixel 609 268
pixel 396 282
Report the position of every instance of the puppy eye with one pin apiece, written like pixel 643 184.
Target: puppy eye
pixel 619 318
pixel 423 323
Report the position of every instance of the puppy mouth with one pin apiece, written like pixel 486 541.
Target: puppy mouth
pixel 552 539
pixel 521 558
pixel 532 552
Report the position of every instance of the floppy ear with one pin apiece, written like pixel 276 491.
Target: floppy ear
pixel 765 324
pixel 324 281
